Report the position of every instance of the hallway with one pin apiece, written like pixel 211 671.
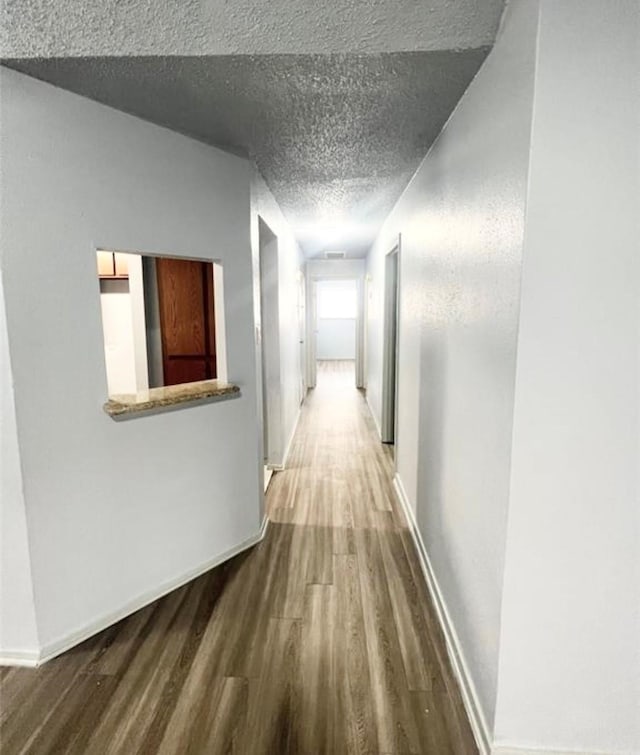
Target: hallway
pixel 321 639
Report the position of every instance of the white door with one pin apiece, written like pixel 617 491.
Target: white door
pixel 302 329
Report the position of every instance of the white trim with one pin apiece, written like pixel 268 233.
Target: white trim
pixel 361 368
pixel 28 658
pixel 283 466
pixel 270 355
pixel 219 322
pixel 263 528
pixel 465 681
pixel 302 335
pixel 513 750
pixel 390 344
pixel 55 648
pixel 374 418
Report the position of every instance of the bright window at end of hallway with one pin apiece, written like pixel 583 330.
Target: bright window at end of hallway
pixel 337 300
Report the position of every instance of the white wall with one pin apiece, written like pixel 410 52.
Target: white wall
pixel 290 262
pixel 336 338
pixel 327 269
pixel 122 303
pixel 18 630
pixel 520 344
pixel 461 222
pixel 117 326
pixel 570 651
pixel 114 510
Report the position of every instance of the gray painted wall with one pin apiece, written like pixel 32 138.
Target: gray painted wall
pixel 570 650
pixel 116 511
pixel 461 222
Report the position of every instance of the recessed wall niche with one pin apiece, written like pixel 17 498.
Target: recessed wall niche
pixel 162 319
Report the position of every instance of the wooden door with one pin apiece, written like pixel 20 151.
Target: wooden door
pixel 185 293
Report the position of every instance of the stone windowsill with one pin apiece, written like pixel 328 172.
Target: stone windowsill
pixel 155 400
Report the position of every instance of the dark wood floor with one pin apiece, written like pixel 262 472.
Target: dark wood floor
pixel 321 639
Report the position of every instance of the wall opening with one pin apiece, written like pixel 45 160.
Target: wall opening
pixel 162 319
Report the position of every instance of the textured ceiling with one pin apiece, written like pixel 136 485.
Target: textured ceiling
pixel 61 28
pixel 336 102
pixel 336 137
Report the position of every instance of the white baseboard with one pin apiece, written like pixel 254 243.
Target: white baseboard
pixel 281 467
pixel 55 648
pixel 263 528
pixel 373 417
pixel 470 698
pixel 499 749
pixel 26 658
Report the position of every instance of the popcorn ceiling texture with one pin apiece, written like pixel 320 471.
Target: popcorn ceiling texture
pixel 336 135
pixel 63 28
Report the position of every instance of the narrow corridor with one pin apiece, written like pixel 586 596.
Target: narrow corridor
pixel 321 639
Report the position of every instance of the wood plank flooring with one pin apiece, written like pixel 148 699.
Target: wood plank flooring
pixel 322 639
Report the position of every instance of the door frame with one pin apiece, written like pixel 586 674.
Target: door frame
pixel 302 333
pixel 390 346
pixel 312 325
pixel 269 345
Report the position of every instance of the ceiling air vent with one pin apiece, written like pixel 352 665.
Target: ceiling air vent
pixel 334 255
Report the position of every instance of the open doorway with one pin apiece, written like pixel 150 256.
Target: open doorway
pixel 270 348
pixel 390 347
pixel 336 324
pixel 336 319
